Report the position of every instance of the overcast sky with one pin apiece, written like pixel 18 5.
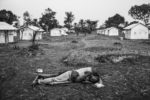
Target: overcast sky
pixel 82 9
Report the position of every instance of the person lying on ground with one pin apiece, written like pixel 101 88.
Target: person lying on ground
pixel 82 75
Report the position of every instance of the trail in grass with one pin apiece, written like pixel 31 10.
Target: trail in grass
pixel 86 43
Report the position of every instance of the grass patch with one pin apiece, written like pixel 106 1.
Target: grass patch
pixel 80 58
pixel 146 42
pixel 102 37
pixel 100 49
pixel 127 79
pixel 61 38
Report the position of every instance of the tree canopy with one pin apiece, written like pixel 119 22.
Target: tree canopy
pixel 27 18
pixel 115 21
pixel 141 12
pixel 91 25
pixel 69 19
pixel 85 26
pixel 48 20
pixel 7 16
pixel 35 22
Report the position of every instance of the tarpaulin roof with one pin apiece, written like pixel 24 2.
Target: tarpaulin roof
pixel 6 26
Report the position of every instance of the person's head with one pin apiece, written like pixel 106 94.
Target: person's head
pixel 94 78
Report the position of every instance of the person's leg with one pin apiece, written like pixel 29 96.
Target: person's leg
pixel 35 81
pixel 50 75
pixel 43 76
pixel 62 78
pixel 46 80
pixel 52 81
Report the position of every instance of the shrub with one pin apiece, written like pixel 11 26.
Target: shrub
pixel 74 41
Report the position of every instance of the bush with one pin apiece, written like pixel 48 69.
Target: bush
pixel 34 47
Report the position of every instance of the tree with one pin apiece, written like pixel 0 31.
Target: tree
pixel 69 19
pixel 7 16
pixel 141 12
pixel 76 28
pixel 48 20
pixel 27 18
pixel 35 22
pixel 82 25
pixel 86 26
pixel 91 25
pixel 29 21
pixel 115 21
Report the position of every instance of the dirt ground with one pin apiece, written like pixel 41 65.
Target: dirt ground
pixel 127 79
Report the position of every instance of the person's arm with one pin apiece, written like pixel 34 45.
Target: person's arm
pixel 99 84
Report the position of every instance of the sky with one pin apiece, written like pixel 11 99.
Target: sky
pixel 82 9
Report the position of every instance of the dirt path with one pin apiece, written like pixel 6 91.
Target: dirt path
pixel 87 43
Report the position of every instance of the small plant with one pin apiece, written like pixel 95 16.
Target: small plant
pixel 117 44
pixel 74 41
